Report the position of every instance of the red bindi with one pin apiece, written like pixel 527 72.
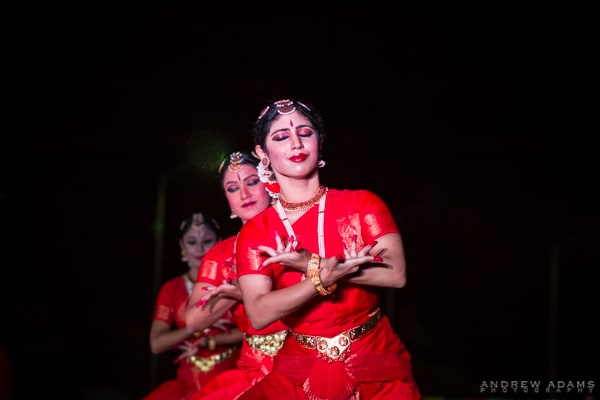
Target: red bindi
pixel 291 123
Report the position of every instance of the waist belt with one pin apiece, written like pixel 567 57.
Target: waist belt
pixel 268 344
pixel 206 364
pixel 334 348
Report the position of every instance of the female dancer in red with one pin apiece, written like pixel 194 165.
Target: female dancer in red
pixel 217 294
pixel 317 260
pixel 204 353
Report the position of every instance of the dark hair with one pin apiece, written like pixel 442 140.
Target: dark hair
pixel 263 122
pixel 198 219
pixel 236 158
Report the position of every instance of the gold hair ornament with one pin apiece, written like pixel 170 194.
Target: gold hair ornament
pixel 236 160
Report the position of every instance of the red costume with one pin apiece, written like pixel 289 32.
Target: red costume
pixel 258 347
pixel 196 371
pixel 375 364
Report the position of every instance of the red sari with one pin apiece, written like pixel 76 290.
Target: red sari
pixel 253 364
pixel 170 307
pixel 375 366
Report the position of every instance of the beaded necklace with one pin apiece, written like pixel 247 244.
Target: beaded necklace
pixel 320 225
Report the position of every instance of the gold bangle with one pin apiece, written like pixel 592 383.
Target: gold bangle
pixel 322 290
pixel 313 265
pixel 212 343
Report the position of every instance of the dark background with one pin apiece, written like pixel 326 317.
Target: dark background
pixel 476 123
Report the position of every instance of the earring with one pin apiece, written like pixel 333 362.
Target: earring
pixel 233 215
pixel 264 172
pixel 321 163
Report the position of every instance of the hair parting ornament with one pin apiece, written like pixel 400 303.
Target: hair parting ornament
pixel 197 219
pixel 283 107
pixel 236 160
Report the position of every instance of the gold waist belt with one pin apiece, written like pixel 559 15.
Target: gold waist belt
pixel 268 344
pixel 206 364
pixel 335 348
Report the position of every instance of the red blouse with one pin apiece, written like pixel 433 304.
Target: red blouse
pixel 348 213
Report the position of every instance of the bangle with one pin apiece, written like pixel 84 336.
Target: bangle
pixel 212 343
pixel 323 291
pixel 313 265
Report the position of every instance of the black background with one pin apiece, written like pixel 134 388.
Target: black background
pixel 476 123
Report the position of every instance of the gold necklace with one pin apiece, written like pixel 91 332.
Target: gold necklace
pixel 303 205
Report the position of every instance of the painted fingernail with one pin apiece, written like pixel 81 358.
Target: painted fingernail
pixel 340 258
pixel 201 303
pixel 377 258
pixel 229 281
pixel 374 243
pixel 204 288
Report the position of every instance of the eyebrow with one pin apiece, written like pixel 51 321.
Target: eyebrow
pixel 250 176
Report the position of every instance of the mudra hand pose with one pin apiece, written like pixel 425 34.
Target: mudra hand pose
pixel 317 260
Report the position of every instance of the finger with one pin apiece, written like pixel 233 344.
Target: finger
pixel 346 253
pixel 181 357
pixel 278 241
pixel 201 303
pixel 267 250
pixel 352 249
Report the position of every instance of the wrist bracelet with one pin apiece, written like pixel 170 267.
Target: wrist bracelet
pixel 323 291
pixel 313 265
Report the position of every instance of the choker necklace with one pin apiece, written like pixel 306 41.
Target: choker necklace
pixel 303 205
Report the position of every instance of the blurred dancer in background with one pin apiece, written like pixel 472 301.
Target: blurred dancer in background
pixel 205 352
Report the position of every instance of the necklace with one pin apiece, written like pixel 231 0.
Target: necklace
pixel 320 224
pixel 303 205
